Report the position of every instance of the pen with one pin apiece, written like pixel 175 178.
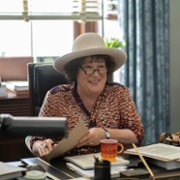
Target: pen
pixel 143 160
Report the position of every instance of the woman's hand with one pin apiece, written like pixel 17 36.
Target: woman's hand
pixel 92 138
pixel 42 148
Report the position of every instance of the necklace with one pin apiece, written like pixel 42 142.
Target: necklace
pixel 92 121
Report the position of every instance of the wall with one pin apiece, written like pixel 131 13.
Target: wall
pixel 175 64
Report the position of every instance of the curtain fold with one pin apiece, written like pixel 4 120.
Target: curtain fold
pixel 145 25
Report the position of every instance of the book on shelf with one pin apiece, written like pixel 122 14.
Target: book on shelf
pixel 17 85
pixel 163 155
pixel 8 171
pixel 20 93
pixel 3 92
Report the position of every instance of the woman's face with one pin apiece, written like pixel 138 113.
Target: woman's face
pixel 92 75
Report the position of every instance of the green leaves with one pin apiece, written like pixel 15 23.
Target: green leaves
pixel 114 43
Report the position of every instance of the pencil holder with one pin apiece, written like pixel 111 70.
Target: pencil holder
pixel 102 170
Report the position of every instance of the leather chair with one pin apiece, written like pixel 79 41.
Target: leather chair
pixel 41 78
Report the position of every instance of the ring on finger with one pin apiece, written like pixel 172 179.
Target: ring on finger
pixel 42 146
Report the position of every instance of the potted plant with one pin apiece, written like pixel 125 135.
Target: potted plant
pixel 114 43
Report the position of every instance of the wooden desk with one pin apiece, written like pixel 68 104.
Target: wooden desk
pixel 58 169
pixel 13 149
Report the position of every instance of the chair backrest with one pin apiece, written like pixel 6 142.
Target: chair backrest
pixel 41 78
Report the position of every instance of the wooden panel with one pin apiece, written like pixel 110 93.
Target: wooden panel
pixel 13 149
pixel 15 106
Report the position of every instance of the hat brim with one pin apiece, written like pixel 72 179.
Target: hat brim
pixel 118 56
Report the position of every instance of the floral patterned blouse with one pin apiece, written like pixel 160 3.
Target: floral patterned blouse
pixel 114 109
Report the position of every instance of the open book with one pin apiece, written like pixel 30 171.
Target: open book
pixel 70 141
pixel 159 151
pixel 163 155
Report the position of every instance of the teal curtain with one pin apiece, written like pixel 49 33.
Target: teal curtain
pixel 145 26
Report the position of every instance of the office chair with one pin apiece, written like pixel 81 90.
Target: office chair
pixel 41 78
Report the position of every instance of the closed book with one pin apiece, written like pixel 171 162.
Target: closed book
pixel 87 161
pixel 85 165
pixel 167 165
pixel 89 173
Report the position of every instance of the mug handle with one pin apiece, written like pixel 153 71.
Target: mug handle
pixel 122 148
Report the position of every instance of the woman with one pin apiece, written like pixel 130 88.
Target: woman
pixel 106 108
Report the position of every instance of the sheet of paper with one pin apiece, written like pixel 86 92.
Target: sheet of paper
pixel 70 141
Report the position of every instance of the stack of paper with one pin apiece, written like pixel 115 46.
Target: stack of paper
pixel 84 164
pixel 17 85
pixel 87 161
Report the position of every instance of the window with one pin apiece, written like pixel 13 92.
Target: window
pixel 48 31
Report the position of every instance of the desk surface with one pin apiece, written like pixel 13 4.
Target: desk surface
pixel 58 170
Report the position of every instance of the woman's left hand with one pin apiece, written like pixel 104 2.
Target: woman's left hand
pixel 92 138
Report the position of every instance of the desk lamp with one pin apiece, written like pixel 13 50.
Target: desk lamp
pixel 20 126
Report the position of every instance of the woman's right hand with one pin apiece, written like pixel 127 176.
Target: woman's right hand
pixel 42 148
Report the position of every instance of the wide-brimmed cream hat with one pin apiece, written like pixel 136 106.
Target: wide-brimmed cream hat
pixel 88 44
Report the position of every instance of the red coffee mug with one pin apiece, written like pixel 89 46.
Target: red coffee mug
pixel 109 149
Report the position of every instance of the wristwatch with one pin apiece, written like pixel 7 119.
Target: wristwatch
pixel 107 134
